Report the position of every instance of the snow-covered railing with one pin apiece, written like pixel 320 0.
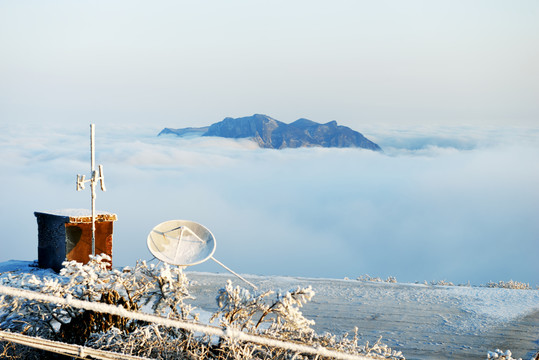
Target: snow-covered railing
pixel 189 326
pixel 58 347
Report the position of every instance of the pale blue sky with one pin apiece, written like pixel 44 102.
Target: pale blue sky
pixel 183 63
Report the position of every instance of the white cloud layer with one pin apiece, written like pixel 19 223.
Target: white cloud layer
pixel 441 203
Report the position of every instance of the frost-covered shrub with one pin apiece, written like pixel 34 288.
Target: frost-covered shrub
pixel 442 283
pixel 378 350
pixel 241 309
pixel 163 290
pixel 367 277
pixel 509 285
pixel 164 287
pixel 278 316
pixel 501 355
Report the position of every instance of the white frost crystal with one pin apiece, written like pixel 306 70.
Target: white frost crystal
pixel 165 289
pixel 499 354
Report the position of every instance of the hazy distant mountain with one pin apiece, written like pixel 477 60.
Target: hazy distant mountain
pixel 271 133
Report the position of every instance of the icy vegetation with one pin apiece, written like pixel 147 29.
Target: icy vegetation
pixel 163 290
pixel 502 355
pixel 509 285
pixel 367 277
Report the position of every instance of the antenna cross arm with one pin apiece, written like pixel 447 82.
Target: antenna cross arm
pixel 81 179
pixel 100 178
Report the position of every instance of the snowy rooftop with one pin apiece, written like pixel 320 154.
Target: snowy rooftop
pixel 80 215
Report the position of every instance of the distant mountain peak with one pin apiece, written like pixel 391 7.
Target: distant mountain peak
pixel 271 133
pixel 304 123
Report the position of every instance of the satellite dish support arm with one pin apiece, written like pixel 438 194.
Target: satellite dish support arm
pixel 233 272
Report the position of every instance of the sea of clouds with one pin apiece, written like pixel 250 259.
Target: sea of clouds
pixel 453 203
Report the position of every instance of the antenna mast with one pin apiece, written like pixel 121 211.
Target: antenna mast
pixel 94 178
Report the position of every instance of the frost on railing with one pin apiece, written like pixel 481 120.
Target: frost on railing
pixel 276 317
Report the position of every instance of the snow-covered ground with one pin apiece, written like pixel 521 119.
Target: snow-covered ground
pixel 422 321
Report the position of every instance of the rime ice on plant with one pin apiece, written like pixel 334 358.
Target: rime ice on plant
pixel 367 277
pixel 509 285
pixel 243 310
pixel 164 289
pixel 501 355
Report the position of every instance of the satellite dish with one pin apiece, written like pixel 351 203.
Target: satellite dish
pixel 181 242
pixel 184 243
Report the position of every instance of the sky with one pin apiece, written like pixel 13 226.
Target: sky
pixel 448 89
pixel 189 63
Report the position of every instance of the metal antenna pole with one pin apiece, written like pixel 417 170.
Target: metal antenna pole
pixel 92 182
pixel 94 178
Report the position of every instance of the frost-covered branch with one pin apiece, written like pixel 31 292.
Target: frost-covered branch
pixel 262 325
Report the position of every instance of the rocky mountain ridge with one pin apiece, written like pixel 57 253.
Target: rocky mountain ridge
pixel 274 134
